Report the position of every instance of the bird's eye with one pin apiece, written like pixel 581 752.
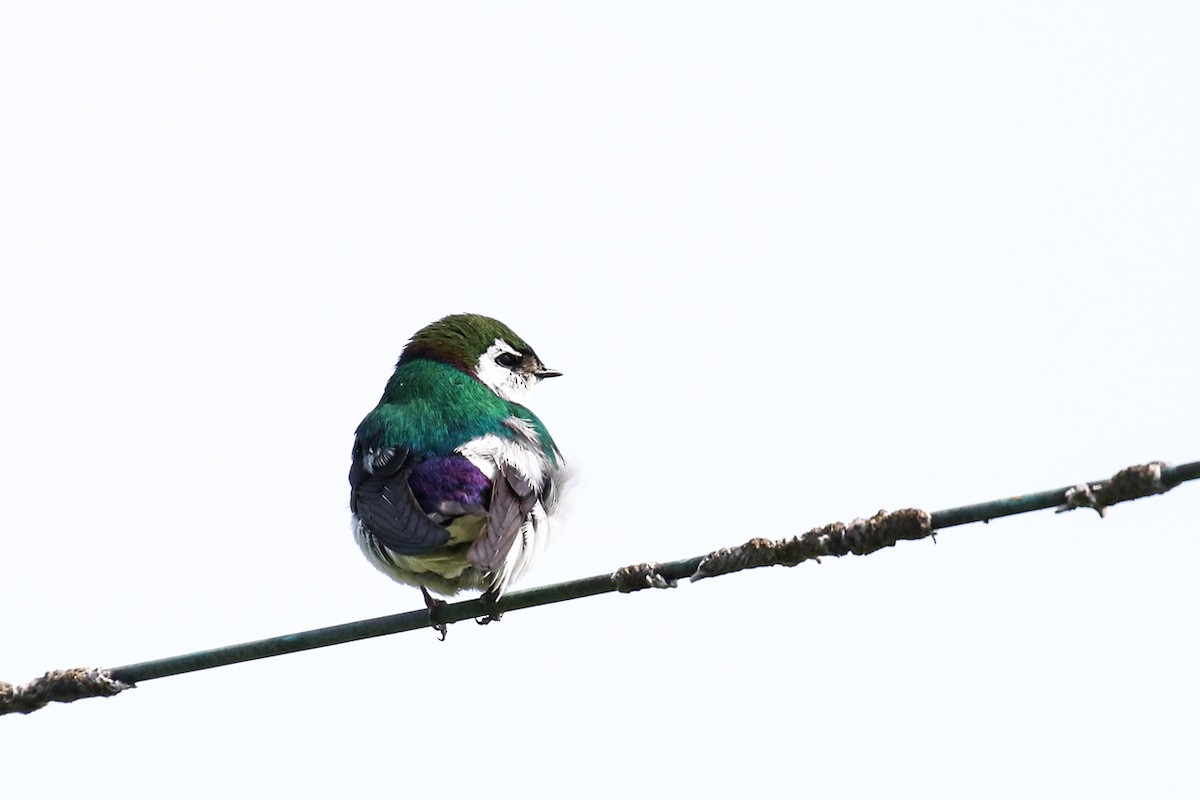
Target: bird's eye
pixel 509 360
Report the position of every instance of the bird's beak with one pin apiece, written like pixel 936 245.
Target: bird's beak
pixel 545 372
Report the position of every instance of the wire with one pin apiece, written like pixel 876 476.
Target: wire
pixel 859 537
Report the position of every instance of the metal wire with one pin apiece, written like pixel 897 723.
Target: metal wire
pixel 1128 484
pixel 545 595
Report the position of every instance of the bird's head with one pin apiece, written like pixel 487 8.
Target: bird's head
pixel 483 347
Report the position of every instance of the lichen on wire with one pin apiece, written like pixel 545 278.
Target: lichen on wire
pixel 58 686
pixel 859 537
pixel 1130 483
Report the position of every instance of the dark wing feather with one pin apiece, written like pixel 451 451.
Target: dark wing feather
pixel 513 497
pixel 384 503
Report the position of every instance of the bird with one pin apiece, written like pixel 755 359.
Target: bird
pixel 453 480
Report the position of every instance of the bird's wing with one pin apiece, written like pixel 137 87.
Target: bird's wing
pixel 513 498
pixel 383 502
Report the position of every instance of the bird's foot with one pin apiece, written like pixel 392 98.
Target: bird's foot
pixel 435 606
pixel 489 598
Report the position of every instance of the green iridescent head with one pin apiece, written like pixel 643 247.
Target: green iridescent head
pixel 483 347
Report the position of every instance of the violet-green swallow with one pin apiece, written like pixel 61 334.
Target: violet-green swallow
pixel 453 480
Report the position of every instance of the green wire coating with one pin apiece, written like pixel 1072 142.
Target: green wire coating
pixel 543 595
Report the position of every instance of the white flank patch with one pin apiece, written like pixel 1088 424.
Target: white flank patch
pixel 523 427
pixel 488 453
pixel 509 384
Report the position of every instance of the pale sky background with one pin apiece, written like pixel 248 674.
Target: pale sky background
pixel 798 262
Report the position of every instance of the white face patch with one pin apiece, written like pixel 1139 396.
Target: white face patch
pixel 510 384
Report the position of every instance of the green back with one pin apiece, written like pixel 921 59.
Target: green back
pixel 430 408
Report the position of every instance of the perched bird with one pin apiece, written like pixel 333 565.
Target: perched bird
pixel 453 480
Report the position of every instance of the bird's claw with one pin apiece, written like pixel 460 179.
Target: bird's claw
pixel 489 598
pixel 434 605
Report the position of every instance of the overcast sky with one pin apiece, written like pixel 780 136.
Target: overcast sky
pixel 798 262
